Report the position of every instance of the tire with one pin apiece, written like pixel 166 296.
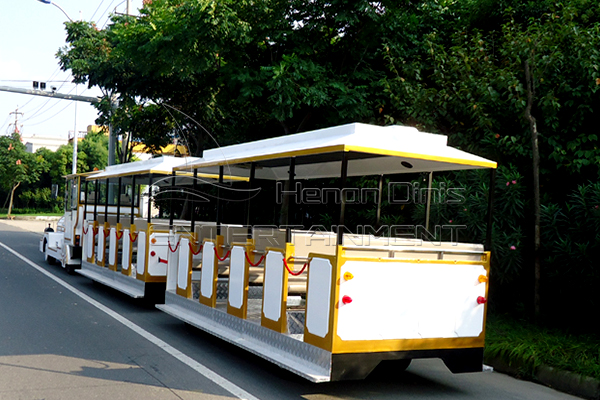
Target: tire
pixel 390 369
pixel 70 269
pixel 49 259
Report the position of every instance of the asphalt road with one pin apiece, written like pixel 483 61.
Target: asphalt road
pixel 56 344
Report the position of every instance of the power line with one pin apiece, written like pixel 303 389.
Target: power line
pixel 104 13
pixel 37 112
pixel 47 119
pixel 99 5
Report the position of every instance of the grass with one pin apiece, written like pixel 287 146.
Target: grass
pixel 50 214
pixel 528 346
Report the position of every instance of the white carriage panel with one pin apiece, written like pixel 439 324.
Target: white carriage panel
pixel 69 221
pixel 318 297
pixel 273 285
pixel 88 241
pixel 237 281
pixel 467 321
pixel 141 253
pixel 407 300
pixel 125 261
pixel 161 252
pixel 207 276
pixel 183 266
pixel 100 251
pixel 112 246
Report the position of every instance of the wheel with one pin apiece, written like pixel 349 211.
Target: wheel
pixel 70 269
pixel 390 368
pixel 50 260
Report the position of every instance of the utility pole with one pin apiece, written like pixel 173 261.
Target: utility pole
pixel 112 140
pixel 17 113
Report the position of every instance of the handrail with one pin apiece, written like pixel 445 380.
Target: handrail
pixel 420 250
pixel 306 264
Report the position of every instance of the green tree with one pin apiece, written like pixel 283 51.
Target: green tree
pixel 93 152
pixel 236 69
pixel 16 165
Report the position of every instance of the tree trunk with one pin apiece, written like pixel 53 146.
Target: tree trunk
pixel 536 191
pixel 12 194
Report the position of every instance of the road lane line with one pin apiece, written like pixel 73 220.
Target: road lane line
pixel 195 365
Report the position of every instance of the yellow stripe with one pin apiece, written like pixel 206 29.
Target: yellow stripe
pixel 179 174
pixel 427 157
pixel 372 346
pixel 337 148
pixel 273 156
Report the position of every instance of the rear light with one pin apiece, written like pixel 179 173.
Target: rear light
pixel 77 240
pixel 482 279
pixel 348 276
pixel 346 299
pixel 152 253
pixel 481 300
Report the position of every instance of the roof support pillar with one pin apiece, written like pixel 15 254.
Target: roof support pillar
pixel 172 202
pixel 106 200
pixel 290 202
pixel 490 211
pixel 344 175
pixel 219 211
pixel 119 200
pixel 248 203
pixel 132 216
pixel 150 198
pixel 194 189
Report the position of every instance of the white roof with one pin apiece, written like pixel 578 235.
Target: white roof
pixel 370 149
pixel 160 165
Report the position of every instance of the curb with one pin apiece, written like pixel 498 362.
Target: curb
pixel 32 218
pixel 564 381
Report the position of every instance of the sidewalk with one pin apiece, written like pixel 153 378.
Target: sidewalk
pixel 32 224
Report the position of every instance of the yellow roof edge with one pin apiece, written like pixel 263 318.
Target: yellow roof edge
pixel 285 154
pixel 157 172
pixel 334 148
pixel 384 152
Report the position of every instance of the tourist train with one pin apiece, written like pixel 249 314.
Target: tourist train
pixel 326 305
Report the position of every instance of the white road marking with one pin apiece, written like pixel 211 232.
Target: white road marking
pixel 195 365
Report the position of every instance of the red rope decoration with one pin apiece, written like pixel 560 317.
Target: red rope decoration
pixel 84 230
pixel 192 249
pixel 119 237
pixel 106 232
pixel 176 247
pixel 259 261
pixel 132 239
pixel 224 258
pixel 95 231
pixel 292 272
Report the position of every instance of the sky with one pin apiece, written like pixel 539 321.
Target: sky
pixel 31 33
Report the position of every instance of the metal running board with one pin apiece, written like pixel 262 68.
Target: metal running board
pixel 301 358
pixel 116 280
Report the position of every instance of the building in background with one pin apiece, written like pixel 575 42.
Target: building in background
pixel 34 142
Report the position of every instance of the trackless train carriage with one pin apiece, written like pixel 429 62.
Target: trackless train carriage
pixel 326 305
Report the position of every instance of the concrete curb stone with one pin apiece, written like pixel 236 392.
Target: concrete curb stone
pixel 564 381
